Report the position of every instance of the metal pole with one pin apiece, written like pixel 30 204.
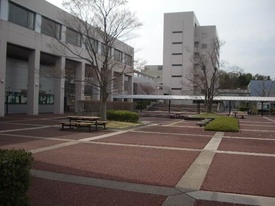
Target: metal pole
pixel 262 112
pixel 141 105
pixel 169 106
pixel 229 110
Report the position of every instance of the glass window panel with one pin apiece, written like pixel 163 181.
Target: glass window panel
pixel 21 16
pixel 50 28
pixel 73 37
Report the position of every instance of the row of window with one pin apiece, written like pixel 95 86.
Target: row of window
pixel 26 18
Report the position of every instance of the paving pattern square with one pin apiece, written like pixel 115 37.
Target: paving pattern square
pixel 247 145
pixel 48 192
pixel 242 174
pixel 137 165
pixel 154 139
pixel 9 142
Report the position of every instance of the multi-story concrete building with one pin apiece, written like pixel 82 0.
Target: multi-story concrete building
pixel 25 55
pixel 183 37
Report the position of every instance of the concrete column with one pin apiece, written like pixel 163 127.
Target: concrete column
pixel 130 85
pixel 79 84
pixel 59 86
pixel 38 23
pixel 121 84
pixel 33 82
pixel 4 10
pixel 3 59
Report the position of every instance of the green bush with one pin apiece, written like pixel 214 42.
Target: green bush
pixel 224 124
pixel 15 177
pixel 244 109
pixel 122 115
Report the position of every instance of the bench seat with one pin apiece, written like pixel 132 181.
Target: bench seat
pixel 77 124
pixel 204 122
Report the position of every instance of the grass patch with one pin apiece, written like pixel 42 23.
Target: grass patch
pixel 121 125
pixel 221 123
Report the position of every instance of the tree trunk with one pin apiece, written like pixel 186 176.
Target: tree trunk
pixel 103 105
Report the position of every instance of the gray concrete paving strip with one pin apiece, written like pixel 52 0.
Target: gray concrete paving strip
pixel 24 129
pixel 196 173
pixel 257 130
pixel 57 146
pixel 182 199
pixel 194 176
pixel 272 120
pixel 147 146
pixel 249 138
pixel 102 136
pixel 215 141
pixel 35 137
pixel 233 198
pixel 170 133
pixel 246 153
pixel 108 184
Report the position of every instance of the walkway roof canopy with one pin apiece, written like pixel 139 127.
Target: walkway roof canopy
pixel 182 97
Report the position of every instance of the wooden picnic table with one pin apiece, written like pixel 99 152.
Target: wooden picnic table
pixel 177 115
pixel 83 121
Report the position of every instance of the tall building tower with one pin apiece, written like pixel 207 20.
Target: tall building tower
pixel 183 38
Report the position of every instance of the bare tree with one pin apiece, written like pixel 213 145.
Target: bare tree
pixel 108 22
pixel 204 76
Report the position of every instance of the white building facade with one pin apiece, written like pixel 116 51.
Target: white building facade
pixel 25 56
pixel 182 35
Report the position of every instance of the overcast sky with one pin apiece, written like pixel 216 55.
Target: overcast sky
pixel 246 26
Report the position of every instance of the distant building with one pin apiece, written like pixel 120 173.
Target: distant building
pixel 182 34
pixel 262 88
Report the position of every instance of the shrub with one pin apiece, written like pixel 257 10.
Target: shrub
pixel 224 124
pixel 122 115
pixel 15 177
pixel 244 109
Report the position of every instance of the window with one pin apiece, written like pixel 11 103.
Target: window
pixel 176 65
pixel 175 88
pixel 118 55
pixel 104 50
pixel 21 16
pixel 177 32
pixel 176 75
pixel 204 35
pixel 204 46
pixel 73 37
pixel 50 28
pixel 91 44
pixel 128 59
pixel 176 53
pixel 177 43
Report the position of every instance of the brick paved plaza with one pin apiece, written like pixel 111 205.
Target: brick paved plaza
pixel 166 162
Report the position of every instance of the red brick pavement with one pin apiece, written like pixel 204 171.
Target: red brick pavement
pixel 241 174
pixel 138 165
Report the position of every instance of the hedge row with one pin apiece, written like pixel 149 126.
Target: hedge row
pixel 15 178
pixel 122 115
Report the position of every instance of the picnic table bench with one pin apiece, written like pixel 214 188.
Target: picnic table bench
pixel 239 114
pixel 204 122
pixel 177 115
pixel 83 121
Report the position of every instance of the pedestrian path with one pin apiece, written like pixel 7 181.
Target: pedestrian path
pixel 186 191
